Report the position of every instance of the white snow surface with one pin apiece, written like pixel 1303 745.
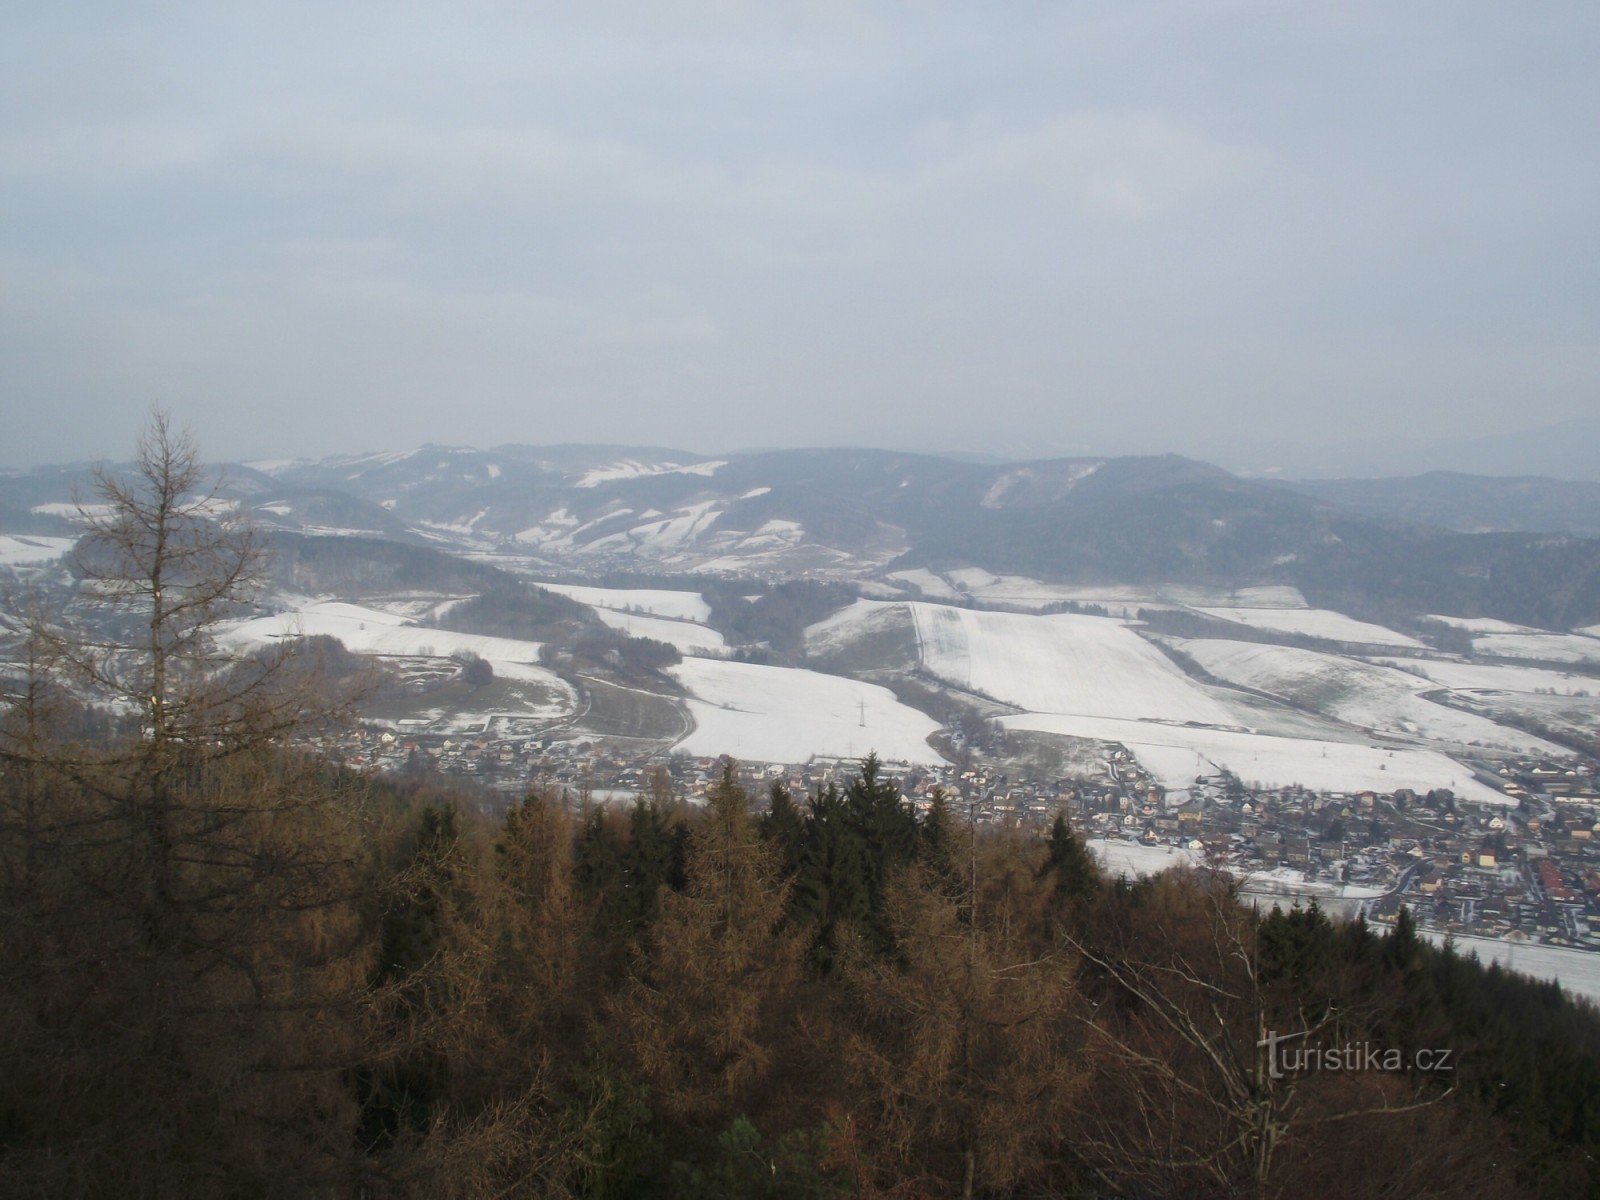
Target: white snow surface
pixel 672 532
pixel 74 512
pixel 268 466
pixel 1496 677
pixel 689 637
pixel 656 602
pixel 1135 859
pixel 928 583
pixel 1540 647
pixel 1359 693
pixel 1290 882
pixel 632 468
pixel 1176 754
pixel 852 621
pixel 371 631
pixel 1124 600
pixel 788 715
pixel 1062 663
pixel 29 550
pixel 1482 624
pixel 1577 971
pixel 1313 622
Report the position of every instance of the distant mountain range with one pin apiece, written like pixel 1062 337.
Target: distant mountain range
pixel 1561 451
pixel 1469 503
pixel 1378 548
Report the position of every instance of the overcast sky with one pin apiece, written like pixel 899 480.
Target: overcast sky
pixel 1005 227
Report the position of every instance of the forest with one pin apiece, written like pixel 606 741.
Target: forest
pixel 229 968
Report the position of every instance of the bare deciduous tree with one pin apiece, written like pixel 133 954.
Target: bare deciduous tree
pixel 184 884
pixel 1189 1034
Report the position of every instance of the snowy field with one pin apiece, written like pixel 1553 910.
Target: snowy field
pixel 1060 664
pixel 1290 882
pixel 1282 884
pixel 632 468
pixel 928 583
pixel 27 550
pixel 1578 971
pixel 76 513
pixel 1541 647
pixel 857 620
pixel 688 636
pixel 674 617
pixel 1019 591
pixel 1495 677
pixel 1357 692
pixel 1177 754
pixel 1313 622
pixel 1135 859
pixel 787 715
pixel 1482 624
pixel 372 631
pixel 656 602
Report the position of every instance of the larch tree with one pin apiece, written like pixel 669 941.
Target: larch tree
pixel 189 945
pixel 703 1006
pixel 961 1044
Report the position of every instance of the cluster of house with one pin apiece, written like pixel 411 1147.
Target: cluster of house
pixel 1531 867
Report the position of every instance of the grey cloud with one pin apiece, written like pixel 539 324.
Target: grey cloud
pixel 1105 226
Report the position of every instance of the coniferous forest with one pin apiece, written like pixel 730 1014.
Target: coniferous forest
pixel 320 985
pixel 228 968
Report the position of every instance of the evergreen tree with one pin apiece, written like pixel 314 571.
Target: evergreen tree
pixel 600 870
pixel 399 1094
pixel 1071 871
pixel 885 828
pixel 783 827
pixel 830 883
pixel 937 839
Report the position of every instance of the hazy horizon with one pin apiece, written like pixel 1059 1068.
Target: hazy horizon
pixel 1225 230
pixel 1558 452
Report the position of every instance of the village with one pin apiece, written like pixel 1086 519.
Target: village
pixel 1528 869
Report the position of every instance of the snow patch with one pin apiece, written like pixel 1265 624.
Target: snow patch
pixel 789 715
pixel 1177 754
pixel 1060 664
pixel 630 468
pixel 658 602
pixel 26 550
pixel 1359 693
pixel 1313 622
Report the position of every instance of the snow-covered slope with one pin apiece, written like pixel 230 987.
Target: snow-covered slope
pixel 29 550
pixel 1540 647
pixel 657 602
pixel 1313 622
pixel 372 631
pixel 1360 693
pixel 1176 755
pixel 784 714
pixel 1060 664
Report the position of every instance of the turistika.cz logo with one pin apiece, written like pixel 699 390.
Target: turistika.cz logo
pixel 1288 1054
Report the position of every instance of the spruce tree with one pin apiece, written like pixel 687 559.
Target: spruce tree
pixel 1068 866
